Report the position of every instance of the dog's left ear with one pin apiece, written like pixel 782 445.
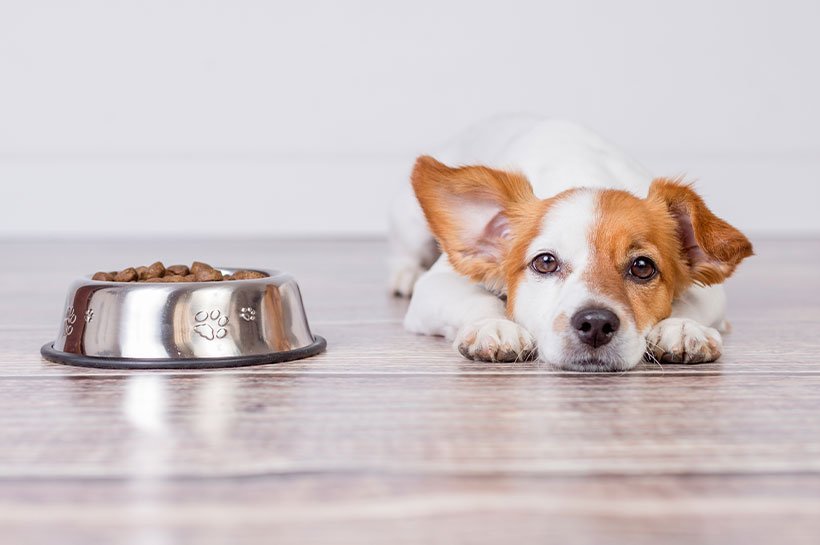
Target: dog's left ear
pixel 712 247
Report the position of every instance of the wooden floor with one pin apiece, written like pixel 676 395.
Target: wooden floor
pixel 390 438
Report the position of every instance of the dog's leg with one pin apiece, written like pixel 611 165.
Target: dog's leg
pixel 692 334
pixel 412 247
pixel 448 304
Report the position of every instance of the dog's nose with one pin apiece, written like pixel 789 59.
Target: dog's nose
pixel 595 326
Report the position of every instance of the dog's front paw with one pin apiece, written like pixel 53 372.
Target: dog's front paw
pixel 680 340
pixel 495 339
pixel 403 277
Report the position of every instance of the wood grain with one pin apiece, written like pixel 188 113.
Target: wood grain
pixel 339 508
pixel 394 438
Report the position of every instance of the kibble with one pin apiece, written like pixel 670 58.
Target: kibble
pixel 126 275
pixel 157 273
pixel 197 266
pixel 103 277
pixel 165 279
pixel 155 270
pixel 207 275
pixel 247 275
pixel 179 270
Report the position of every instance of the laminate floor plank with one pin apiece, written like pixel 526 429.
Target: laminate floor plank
pixel 223 425
pixel 379 508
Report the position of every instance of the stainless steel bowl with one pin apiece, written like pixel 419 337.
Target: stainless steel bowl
pixel 184 324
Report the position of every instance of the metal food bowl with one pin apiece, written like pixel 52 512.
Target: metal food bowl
pixel 184 325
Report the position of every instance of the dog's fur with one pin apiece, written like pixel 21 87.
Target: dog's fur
pixel 534 186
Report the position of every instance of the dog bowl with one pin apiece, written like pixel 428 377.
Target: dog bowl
pixel 184 325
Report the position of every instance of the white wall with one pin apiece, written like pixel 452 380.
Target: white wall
pixel 242 117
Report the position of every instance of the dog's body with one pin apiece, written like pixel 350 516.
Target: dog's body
pixel 542 267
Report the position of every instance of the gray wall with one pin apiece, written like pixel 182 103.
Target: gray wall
pixel 239 117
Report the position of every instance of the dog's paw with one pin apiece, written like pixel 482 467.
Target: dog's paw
pixel 495 339
pixel 680 340
pixel 403 277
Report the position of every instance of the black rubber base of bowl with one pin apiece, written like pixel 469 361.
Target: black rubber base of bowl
pixel 49 353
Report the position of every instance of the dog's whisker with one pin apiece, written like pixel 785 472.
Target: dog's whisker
pixel 650 355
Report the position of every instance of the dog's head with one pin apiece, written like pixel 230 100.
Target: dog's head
pixel 589 271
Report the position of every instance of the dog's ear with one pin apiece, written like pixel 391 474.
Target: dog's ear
pixel 471 212
pixel 712 247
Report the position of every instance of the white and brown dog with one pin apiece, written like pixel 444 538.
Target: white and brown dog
pixel 550 248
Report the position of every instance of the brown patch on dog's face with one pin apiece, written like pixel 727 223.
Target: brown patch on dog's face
pixel 629 228
pixel 561 322
pixel 671 227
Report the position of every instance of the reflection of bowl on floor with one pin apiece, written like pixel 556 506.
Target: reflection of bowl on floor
pixel 184 324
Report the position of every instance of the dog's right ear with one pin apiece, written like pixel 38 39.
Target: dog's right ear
pixel 471 211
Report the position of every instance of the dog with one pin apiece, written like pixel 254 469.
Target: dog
pixel 529 237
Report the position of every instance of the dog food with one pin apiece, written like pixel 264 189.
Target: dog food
pixel 159 273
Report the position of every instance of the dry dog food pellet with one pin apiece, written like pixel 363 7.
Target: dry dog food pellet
pixel 179 270
pixel 155 270
pixel 207 275
pixel 196 266
pixel 157 273
pixel 247 275
pixel 166 279
pixel 126 275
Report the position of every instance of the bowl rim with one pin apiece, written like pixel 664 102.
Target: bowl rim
pixel 271 274
pixel 48 352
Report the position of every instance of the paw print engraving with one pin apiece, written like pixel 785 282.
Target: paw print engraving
pixel 70 320
pixel 211 325
pixel 89 315
pixel 248 314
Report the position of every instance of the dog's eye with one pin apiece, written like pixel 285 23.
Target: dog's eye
pixel 643 268
pixel 544 263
